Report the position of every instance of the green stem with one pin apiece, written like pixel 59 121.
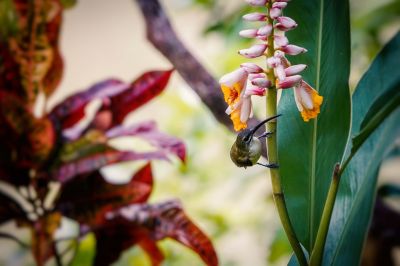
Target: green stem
pixel 276 181
pixel 272 147
pixel 318 250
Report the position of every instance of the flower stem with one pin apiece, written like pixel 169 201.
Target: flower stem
pixel 276 181
pixel 272 147
pixel 318 250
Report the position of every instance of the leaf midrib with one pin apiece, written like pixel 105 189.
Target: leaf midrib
pixel 315 130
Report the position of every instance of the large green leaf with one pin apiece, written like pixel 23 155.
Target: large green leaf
pixel 356 194
pixel 309 151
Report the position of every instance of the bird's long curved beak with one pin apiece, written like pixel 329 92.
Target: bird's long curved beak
pixel 254 129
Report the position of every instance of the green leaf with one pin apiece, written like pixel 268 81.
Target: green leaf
pixel 379 111
pixel 8 19
pixel 308 151
pixel 356 194
pixel 279 247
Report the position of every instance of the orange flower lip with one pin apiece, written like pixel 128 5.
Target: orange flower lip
pixel 308 101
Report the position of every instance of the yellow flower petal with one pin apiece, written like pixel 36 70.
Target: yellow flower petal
pixel 231 94
pixel 237 124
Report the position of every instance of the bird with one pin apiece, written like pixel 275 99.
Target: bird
pixel 246 150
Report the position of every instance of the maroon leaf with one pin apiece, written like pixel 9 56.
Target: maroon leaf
pixel 72 109
pixel 13 114
pixel 35 137
pixel 141 223
pixel 88 199
pixel 149 132
pixel 93 163
pixel 142 90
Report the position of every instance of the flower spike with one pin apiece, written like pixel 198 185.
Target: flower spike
pixel 251 79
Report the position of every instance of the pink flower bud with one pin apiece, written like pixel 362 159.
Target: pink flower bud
pixel 279 54
pixel 254 90
pixel 275 12
pixel 280 5
pixel 262 38
pixel 250 33
pixel 281 41
pixel 261 82
pixel 251 68
pixel 265 30
pixel 256 76
pixel 238 76
pixel 273 62
pixel 255 17
pixel 279 72
pixel 295 69
pixel 257 2
pixel 289 82
pixel 254 51
pixel 285 24
pixel 293 49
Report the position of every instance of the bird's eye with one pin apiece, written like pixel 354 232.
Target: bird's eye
pixel 247 139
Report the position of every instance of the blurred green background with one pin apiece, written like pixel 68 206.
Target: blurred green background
pixel 102 39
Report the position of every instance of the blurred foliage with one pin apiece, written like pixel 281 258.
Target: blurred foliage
pixel 8 19
pixel 279 247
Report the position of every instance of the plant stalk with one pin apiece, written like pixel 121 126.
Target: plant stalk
pixel 276 181
pixel 272 147
pixel 318 250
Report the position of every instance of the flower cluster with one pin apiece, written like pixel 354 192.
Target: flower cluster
pixel 251 79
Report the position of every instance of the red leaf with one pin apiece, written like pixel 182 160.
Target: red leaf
pixel 156 222
pixel 35 137
pixel 88 199
pixel 142 90
pixel 149 132
pixel 87 165
pixel 31 52
pixel 72 109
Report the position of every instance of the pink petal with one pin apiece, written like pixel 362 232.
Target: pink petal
pixel 251 68
pixel 265 31
pixel 255 17
pixel 237 76
pixel 289 82
pixel 272 62
pixel 261 82
pixel 275 12
pixel 281 41
pixel 285 23
pixel 245 110
pixel 280 5
pixel 295 69
pixel 293 49
pixel 257 2
pixel 249 33
pixel 254 51
pixel 280 72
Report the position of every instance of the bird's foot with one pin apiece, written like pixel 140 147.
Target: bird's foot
pixel 265 135
pixel 271 165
